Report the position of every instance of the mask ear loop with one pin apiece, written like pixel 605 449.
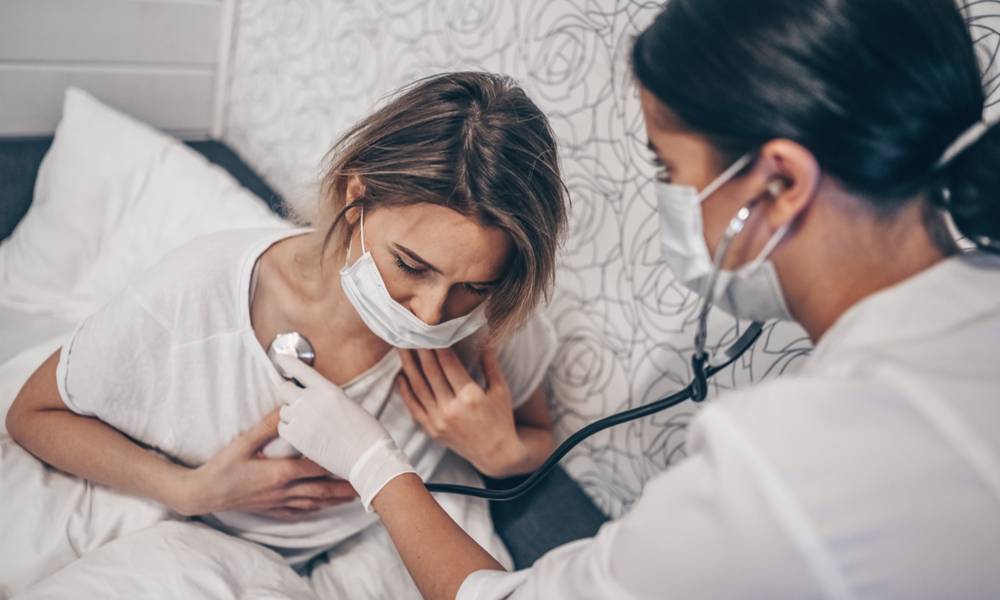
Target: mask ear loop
pixel 350 243
pixel 726 176
pixel 363 250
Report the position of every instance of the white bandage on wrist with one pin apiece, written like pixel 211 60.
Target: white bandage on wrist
pixel 379 465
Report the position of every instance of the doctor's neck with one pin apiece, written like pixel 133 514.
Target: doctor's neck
pixel 844 252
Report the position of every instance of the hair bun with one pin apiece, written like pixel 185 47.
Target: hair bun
pixel 971 190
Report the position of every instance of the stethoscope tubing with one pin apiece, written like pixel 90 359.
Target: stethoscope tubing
pixel 696 390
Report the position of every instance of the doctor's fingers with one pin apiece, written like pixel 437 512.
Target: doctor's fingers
pixel 289 393
pixel 305 374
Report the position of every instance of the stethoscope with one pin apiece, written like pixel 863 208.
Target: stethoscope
pixel 703 366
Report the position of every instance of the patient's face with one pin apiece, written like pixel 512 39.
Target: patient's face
pixel 434 261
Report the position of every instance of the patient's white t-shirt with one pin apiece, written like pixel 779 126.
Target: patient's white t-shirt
pixel 173 362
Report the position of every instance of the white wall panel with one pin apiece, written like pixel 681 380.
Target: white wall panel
pixel 160 60
pixel 108 31
pixel 178 101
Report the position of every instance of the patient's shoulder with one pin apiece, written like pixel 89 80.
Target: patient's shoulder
pixel 203 280
pixel 221 251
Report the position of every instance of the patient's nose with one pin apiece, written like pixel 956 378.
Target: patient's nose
pixel 429 306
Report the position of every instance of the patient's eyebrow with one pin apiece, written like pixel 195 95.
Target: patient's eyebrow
pixel 416 257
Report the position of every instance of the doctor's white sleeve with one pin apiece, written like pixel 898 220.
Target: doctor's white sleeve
pixel 716 525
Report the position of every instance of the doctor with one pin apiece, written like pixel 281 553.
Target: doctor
pixel 846 133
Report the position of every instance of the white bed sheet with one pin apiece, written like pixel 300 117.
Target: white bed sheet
pixel 187 559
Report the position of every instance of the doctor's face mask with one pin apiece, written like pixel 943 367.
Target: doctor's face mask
pixel 750 292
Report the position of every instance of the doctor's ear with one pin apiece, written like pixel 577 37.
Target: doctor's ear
pixel 793 177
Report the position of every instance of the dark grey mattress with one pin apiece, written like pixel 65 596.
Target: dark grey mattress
pixel 556 512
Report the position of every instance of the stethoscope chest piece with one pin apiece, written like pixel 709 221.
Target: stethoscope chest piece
pixel 294 344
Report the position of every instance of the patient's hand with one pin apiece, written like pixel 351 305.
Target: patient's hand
pixel 476 423
pixel 240 478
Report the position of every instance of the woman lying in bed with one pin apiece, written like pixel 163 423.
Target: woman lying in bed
pixel 439 220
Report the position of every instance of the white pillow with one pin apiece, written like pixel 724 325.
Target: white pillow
pixel 113 195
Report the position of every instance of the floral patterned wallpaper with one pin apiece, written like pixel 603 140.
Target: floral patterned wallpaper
pixel 304 70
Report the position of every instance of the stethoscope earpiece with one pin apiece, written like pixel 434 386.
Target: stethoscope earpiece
pixel 775 188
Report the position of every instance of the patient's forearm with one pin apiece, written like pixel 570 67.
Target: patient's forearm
pixel 95 451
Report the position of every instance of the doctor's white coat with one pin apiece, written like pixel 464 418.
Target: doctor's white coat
pixel 874 473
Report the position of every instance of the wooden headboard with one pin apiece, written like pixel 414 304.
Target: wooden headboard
pixel 163 61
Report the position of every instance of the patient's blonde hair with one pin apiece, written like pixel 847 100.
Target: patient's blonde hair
pixel 475 143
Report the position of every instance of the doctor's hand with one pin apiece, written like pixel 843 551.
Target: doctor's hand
pixel 240 478
pixel 476 423
pixel 322 423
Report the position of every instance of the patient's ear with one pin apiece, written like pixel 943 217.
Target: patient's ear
pixel 355 189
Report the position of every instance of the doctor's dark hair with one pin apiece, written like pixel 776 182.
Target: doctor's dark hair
pixel 875 89
pixel 475 143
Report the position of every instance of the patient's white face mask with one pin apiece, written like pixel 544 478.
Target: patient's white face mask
pixel 364 287
pixel 750 292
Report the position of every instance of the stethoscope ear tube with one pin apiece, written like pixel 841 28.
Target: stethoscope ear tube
pixel 704 369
